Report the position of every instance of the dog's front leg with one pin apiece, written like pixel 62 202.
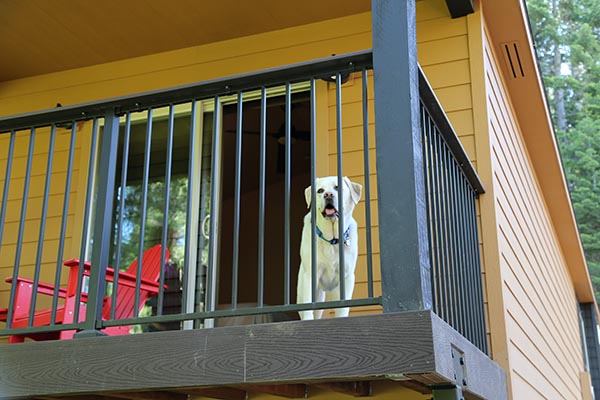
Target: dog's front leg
pixel 349 289
pixel 320 298
pixel 303 291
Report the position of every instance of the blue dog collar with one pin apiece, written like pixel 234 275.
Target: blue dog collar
pixel 333 241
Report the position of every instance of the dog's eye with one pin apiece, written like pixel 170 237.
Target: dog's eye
pixel 335 188
pixel 320 190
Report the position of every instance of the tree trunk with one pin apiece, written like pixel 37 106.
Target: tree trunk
pixel 559 98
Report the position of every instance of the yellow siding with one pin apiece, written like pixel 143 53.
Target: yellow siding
pixel 443 50
pixel 544 348
pixel 192 64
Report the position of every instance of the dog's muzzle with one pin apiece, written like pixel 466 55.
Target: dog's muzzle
pixel 329 211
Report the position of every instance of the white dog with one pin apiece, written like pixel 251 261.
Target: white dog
pixel 327 221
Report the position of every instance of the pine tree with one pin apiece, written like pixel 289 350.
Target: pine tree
pixel 568 45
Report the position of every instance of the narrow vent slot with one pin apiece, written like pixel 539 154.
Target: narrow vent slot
pixel 513 60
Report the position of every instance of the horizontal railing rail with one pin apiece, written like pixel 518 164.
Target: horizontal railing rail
pixel 203 184
pixel 346 63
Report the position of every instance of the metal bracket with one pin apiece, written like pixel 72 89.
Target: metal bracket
pixel 448 393
pixel 454 392
pixel 460 369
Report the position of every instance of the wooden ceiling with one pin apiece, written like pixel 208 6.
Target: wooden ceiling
pixel 41 36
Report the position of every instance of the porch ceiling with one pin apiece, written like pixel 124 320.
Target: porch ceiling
pixel 40 36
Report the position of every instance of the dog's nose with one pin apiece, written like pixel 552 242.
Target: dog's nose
pixel 328 195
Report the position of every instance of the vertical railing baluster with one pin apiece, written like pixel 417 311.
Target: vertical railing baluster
pixel 211 278
pixel 63 223
pixel 237 200
pixel 460 251
pixel 13 289
pixel 107 160
pixel 121 211
pixel 42 232
pixel 435 217
pixel 313 189
pixel 7 178
pixel 452 240
pixel 463 252
pixel 474 269
pixel 261 196
pixel 288 184
pixel 340 179
pixel 468 266
pixel 165 227
pixel 429 193
pixel 87 216
pixel 451 237
pixel 367 174
pixel 440 232
pixel 477 272
pixel 458 263
pixel 22 220
pixel 145 180
pixel 188 220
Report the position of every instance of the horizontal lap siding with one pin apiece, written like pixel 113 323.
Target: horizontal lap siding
pixel 544 346
pixel 194 64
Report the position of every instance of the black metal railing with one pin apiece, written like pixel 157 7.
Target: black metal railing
pixel 452 187
pixel 200 183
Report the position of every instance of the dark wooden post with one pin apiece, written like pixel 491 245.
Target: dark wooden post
pixel 405 268
pixel 105 178
pixel 592 343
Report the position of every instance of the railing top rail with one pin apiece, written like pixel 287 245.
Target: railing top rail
pixel 434 108
pixel 349 62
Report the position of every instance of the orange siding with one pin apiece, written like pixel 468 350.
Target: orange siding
pixel 544 347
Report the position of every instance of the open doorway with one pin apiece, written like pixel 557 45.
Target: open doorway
pixel 188 263
pixel 274 233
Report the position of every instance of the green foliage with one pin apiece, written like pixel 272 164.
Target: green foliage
pixel 154 219
pixel 570 27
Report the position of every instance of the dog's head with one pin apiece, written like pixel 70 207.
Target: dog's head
pixel 328 199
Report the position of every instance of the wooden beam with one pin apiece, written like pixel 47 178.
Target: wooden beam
pixel 355 388
pixel 483 379
pixel 392 346
pixel 460 8
pixel 290 391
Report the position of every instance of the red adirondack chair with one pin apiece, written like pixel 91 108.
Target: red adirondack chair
pixel 65 313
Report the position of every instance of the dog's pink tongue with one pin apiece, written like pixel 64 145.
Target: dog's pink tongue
pixel 329 211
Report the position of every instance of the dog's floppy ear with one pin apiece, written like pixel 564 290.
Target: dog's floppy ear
pixel 354 188
pixel 307 193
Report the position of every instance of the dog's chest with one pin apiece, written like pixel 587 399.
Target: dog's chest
pixel 328 256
